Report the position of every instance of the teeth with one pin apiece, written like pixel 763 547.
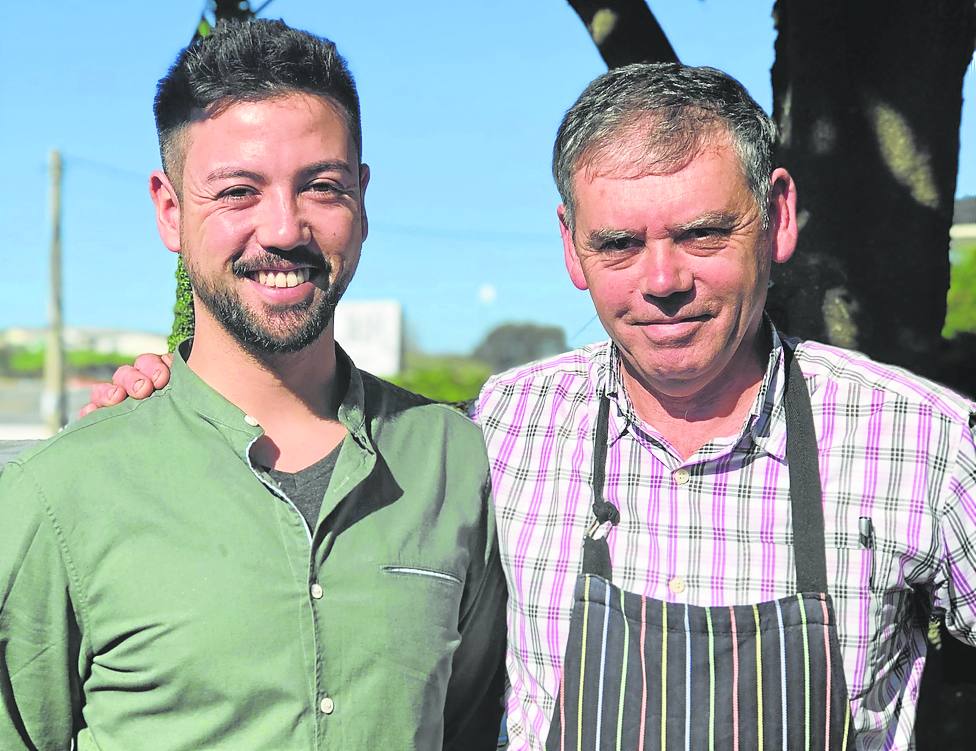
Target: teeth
pixel 284 279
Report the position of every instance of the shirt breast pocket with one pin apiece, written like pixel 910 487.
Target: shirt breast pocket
pixel 876 609
pixel 417 613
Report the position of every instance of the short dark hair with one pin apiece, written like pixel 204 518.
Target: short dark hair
pixel 245 62
pixel 672 111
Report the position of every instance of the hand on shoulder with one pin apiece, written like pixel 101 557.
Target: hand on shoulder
pixel 147 374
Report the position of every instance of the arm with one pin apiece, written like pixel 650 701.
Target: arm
pixel 40 642
pixel 473 710
pixel 956 589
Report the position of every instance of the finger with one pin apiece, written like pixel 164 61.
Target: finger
pixel 153 367
pixel 87 409
pixel 105 395
pixel 134 383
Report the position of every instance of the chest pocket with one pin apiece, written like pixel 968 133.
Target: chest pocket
pixel 876 609
pixel 417 609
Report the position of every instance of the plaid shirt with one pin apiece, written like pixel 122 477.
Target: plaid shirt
pixel 898 470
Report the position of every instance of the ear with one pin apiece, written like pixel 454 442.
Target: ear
pixel 167 203
pixel 363 182
pixel 782 216
pixel 570 258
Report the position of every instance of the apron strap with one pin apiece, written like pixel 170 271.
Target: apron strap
pixel 806 497
pixel 596 552
pixel 602 510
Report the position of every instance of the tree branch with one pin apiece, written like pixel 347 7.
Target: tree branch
pixel 624 31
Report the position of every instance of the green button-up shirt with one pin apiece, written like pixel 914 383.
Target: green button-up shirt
pixel 157 591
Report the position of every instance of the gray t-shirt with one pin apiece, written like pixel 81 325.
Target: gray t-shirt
pixel 306 487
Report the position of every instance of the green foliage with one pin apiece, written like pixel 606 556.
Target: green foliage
pixel 444 379
pixel 961 300
pixel 182 310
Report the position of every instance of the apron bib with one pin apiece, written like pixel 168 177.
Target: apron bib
pixel 642 674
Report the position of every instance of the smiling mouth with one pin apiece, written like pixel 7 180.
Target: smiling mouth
pixel 674 321
pixel 284 279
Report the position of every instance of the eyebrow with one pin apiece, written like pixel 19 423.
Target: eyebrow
pixel 328 165
pixel 232 173
pixel 720 219
pixel 600 237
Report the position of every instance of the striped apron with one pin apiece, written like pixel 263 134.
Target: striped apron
pixel 642 674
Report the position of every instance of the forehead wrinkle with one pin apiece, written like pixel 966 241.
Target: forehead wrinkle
pixel 639 148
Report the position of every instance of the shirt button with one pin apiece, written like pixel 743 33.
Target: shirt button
pixel 252 421
pixel 681 476
pixel 327 705
pixel 317 591
pixel 677 585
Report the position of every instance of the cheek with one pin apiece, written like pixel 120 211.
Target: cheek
pixel 611 288
pixel 221 231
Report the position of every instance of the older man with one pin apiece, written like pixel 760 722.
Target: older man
pixel 714 536
pixel 279 551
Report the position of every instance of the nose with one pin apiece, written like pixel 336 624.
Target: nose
pixel 281 223
pixel 664 271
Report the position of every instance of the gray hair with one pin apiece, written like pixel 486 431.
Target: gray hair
pixel 658 117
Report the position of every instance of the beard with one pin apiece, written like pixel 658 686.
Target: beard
pixel 272 329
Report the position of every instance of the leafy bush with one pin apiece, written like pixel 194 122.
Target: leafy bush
pixel 29 362
pixel 444 379
pixel 961 300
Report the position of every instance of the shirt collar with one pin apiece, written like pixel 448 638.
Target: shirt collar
pixel 765 424
pixel 236 426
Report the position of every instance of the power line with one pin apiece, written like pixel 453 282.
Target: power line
pixel 473 234
pixel 103 167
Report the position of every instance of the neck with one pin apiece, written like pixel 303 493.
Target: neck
pixel 718 408
pixel 292 395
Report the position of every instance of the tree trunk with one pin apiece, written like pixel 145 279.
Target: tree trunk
pixel 624 31
pixel 867 96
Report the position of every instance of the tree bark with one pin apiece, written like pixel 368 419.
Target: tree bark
pixel 868 97
pixel 624 31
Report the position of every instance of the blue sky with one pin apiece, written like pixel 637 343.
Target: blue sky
pixel 460 104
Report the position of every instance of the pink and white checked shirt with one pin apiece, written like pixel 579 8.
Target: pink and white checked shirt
pixel 898 470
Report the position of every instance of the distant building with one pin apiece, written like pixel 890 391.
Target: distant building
pixel 964 219
pixel 371 331
pixel 106 341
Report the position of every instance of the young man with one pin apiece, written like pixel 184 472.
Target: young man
pixel 279 550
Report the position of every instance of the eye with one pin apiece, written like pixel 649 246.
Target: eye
pixel 237 193
pixel 618 243
pixel 327 188
pixel 706 237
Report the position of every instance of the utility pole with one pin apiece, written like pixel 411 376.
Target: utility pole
pixel 53 402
